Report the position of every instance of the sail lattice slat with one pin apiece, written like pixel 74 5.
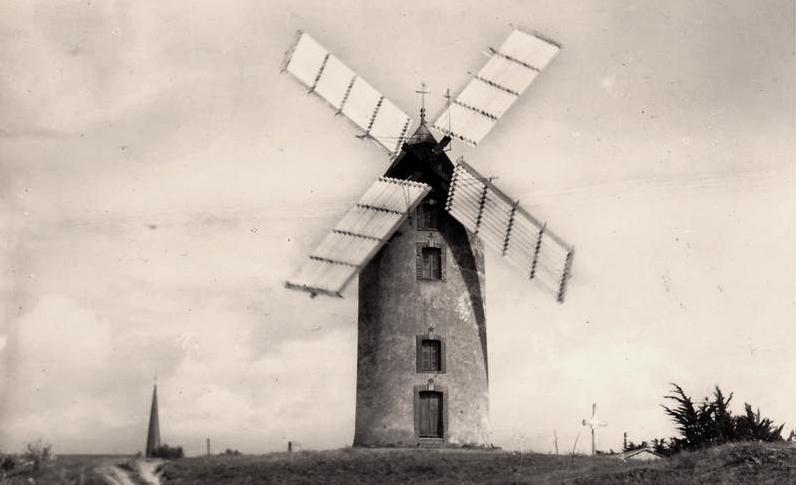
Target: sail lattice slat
pixel 361 220
pixel 506 227
pixel 348 93
pixel 359 236
pixel 493 90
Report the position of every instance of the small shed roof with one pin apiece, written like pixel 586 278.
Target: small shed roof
pixel 642 454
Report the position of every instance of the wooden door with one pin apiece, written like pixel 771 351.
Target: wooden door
pixel 430 414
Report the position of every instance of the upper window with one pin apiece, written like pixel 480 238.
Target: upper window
pixel 428 215
pixel 430 260
pixel 431 267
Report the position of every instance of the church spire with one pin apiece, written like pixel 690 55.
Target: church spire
pixel 153 434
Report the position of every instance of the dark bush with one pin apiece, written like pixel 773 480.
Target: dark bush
pixel 168 452
pixel 7 463
pixel 630 446
pixel 711 422
pixel 751 427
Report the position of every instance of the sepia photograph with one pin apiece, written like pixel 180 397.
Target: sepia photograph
pixel 389 242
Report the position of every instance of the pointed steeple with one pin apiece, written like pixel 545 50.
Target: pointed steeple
pixel 153 435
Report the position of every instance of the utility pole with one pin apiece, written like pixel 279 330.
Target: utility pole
pixel 555 440
pixel 208 446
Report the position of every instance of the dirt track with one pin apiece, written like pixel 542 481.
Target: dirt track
pixel 132 473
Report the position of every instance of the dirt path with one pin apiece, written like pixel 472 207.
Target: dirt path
pixel 147 471
pixel 143 470
pixel 115 475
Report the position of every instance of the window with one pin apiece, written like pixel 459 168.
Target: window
pixel 428 215
pixel 430 355
pixel 430 260
pixel 432 263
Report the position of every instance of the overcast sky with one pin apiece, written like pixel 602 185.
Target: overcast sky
pixel 160 179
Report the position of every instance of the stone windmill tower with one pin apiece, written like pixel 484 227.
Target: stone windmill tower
pixel 415 239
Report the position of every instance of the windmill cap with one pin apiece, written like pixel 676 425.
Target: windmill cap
pixel 421 135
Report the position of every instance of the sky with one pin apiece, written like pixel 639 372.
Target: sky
pixel 160 179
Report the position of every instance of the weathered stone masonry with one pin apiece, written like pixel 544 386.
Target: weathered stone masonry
pixel 397 309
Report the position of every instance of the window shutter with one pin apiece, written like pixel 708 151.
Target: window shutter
pixel 418 346
pixel 419 261
pixel 428 215
pixel 430 354
pixel 432 214
pixel 442 257
pixel 430 262
pixel 442 355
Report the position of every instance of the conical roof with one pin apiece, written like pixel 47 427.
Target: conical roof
pixel 422 135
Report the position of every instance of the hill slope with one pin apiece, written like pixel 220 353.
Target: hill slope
pixel 741 463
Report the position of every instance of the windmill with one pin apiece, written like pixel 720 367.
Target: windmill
pixel 415 240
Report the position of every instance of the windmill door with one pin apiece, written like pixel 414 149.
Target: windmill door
pixel 430 414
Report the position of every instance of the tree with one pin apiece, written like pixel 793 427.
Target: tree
pixel 692 421
pixel 751 426
pixel 712 423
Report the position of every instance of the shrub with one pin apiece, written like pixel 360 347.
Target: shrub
pixel 168 452
pixel 751 426
pixel 712 423
pixel 38 455
pixel 7 463
pixel 630 446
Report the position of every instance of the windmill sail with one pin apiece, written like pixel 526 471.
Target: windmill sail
pixel 509 71
pixel 325 75
pixel 357 238
pixel 505 226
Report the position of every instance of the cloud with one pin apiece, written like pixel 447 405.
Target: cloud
pixel 225 389
pixel 92 378
pixel 64 354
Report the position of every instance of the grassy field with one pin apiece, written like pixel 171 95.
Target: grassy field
pixel 745 463
pixel 67 470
